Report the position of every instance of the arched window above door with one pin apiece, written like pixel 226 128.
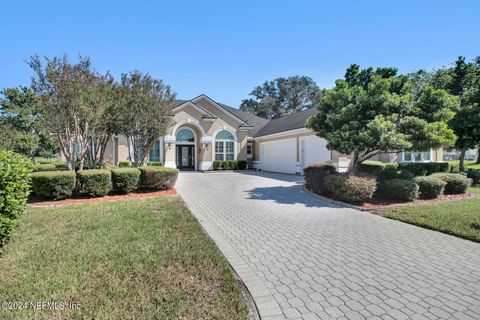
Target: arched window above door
pixel 185 135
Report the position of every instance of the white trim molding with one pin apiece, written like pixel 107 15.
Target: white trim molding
pixel 219 107
pixel 194 106
pixel 193 122
pixel 194 144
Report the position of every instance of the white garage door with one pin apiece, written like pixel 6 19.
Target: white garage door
pixel 279 156
pixel 313 150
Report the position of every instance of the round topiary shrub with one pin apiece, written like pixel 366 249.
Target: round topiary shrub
pixel 53 184
pixel 157 178
pixel 95 182
pixel 125 180
pixel 14 190
pixel 474 174
pixel 399 189
pixel 43 167
pixel 124 164
pixel 430 187
pixel 314 175
pixel 391 172
pixel 456 183
pixel 351 189
pixel 371 167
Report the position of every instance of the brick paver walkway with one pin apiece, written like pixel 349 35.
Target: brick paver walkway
pixel 304 259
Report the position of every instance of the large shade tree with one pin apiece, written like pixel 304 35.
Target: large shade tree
pixel 377 111
pixel 146 112
pixel 282 96
pixel 463 81
pixel 74 99
pixel 23 127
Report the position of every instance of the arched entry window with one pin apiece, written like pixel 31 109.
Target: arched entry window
pixel 224 146
pixel 185 135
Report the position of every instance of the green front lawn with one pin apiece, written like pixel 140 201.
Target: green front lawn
pixel 468 163
pixel 457 217
pixel 126 259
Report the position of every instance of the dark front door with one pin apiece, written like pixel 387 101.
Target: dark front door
pixel 185 157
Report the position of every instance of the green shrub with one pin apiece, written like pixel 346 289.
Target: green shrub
pixel 315 174
pixel 53 184
pixel 454 167
pixel 155 164
pixel 242 164
pixel 61 166
pixel 232 164
pixel 217 165
pixel 399 189
pixel 125 180
pixel 43 167
pixel 157 178
pixel 430 187
pixel 424 168
pixel 474 174
pixel 391 166
pixel 124 163
pixel 456 183
pixel 371 167
pixel 351 189
pixel 95 182
pixel 392 172
pixel 14 190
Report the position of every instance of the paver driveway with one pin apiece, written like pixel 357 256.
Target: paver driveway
pixel 302 258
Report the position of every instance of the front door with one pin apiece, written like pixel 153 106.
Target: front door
pixel 185 157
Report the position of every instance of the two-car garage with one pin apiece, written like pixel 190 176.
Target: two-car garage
pixel 292 155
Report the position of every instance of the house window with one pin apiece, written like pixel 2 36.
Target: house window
pixel 417 156
pixel 155 152
pixel 224 146
pixel 185 135
pixel 249 150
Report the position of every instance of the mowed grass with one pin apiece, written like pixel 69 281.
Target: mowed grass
pixel 128 259
pixel 468 164
pixel 457 217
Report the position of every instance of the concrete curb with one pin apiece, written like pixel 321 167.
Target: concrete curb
pixel 334 202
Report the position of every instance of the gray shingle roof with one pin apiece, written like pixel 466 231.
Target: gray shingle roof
pixel 256 122
pixel 290 122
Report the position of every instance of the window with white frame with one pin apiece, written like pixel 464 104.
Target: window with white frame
pixel 417 156
pixel 224 146
pixel 155 152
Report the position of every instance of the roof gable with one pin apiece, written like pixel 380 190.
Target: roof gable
pixel 286 123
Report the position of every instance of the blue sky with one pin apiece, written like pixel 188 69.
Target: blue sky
pixel 225 48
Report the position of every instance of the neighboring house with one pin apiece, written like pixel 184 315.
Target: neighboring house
pixel 470 154
pixel 204 130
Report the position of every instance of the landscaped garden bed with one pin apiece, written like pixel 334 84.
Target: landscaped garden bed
pixel 126 259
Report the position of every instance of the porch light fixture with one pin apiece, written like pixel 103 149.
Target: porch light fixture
pixel 169 146
pixel 206 146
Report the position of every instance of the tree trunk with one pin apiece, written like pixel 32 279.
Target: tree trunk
pixel 462 160
pixel 353 167
pixel 478 155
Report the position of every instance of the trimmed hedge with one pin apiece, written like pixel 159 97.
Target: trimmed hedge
pixel 124 163
pixel 351 189
pixel 399 189
pixel 14 190
pixel 315 174
pixel 95 182
pixel 155 164
pixel 474 174
pixel 391 166
pixel 61 166
pixel 125 180
pixel 454 167
pixel 456 183
pixel 229 165
pixel 425 168
pixel 391 172
pixel 430 187
pixel 371 167
pixel 43 167
pixel 53 184
pixel 157 178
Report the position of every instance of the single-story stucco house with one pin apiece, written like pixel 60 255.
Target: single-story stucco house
pixel 204 130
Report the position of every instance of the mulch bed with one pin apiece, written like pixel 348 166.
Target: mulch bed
pixel 382 204
pixel 140 195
